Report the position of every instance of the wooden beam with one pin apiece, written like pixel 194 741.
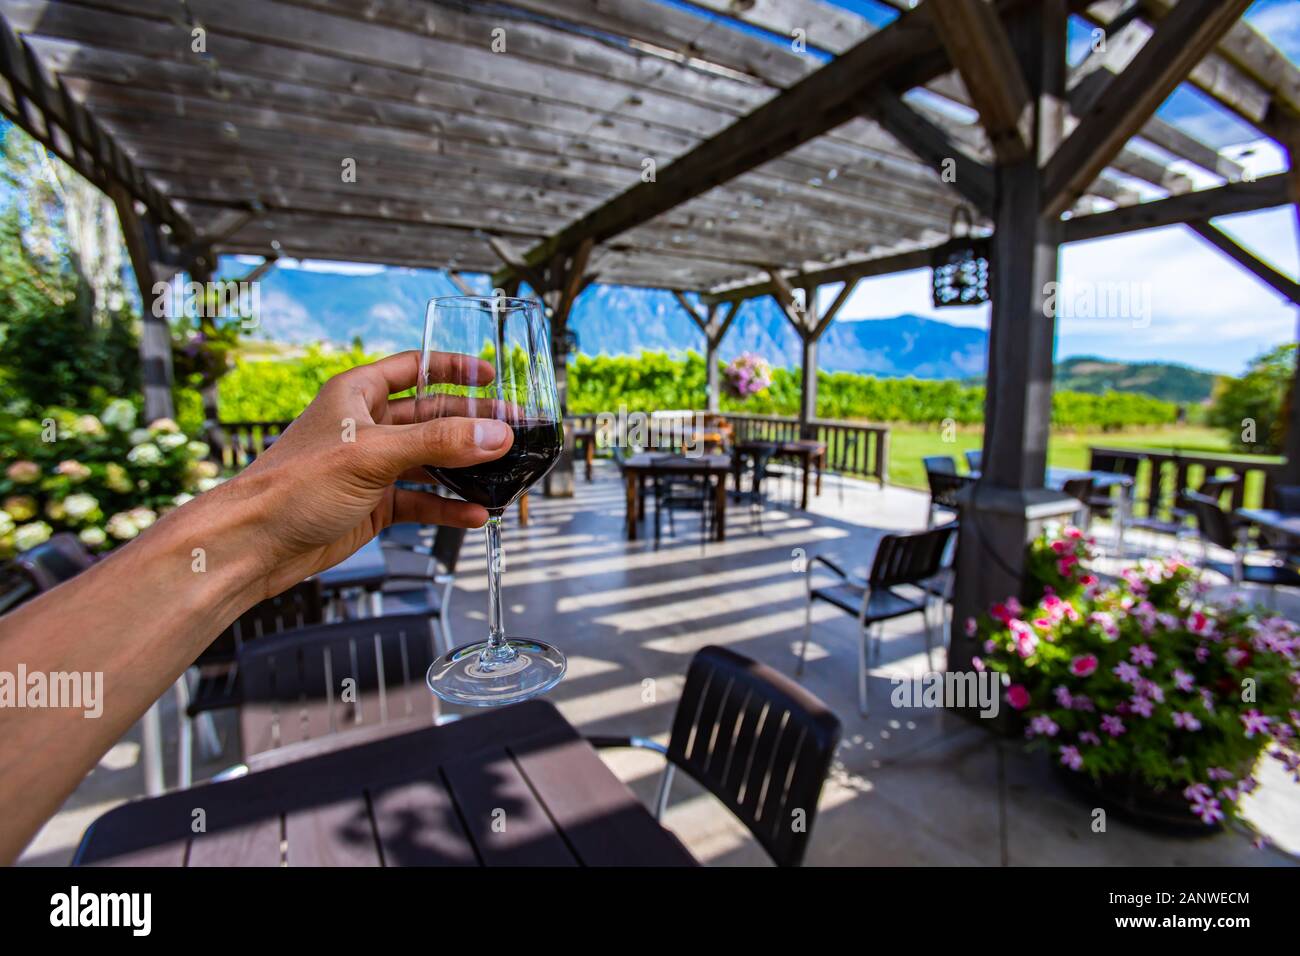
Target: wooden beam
pixel 463 287
pixel 1263 193
pixel 932 145
pixel 902 55
pixel 978 47
pixel 516 266
pixel 1256 266
pixel 68 130
pixel 835 307
pixel 842 272
pixel 155 333
pixel 1179 42
pixel 785 296
pixel 701 324
pixel 261 269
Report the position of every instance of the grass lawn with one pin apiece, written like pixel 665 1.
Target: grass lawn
pixel 908 444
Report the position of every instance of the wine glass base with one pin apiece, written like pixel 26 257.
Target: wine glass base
pixel 460 677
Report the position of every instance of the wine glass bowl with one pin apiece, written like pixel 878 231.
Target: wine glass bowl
pixel 490 357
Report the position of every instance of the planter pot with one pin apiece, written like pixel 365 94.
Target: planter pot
pixel 1133 800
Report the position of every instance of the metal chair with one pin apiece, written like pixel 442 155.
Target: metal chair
pixel 1101 503
pixel 421 563
pixel 215 677
pixel 975 460
pixel 1286 498
pixel 1081 489
pixel 901 560
pixel 945 488
pixel 754 739
pixel 939 465
pixel 683 493
pixel 1213 486
pixel 52 562
pixel 1219 527
pixel 349 678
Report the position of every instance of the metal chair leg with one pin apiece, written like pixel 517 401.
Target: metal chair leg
pixel 185 745
pixel 863 704
pixel 807 633
pixel 209 739
pixel 665 787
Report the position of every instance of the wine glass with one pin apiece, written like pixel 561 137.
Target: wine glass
pixel 490 357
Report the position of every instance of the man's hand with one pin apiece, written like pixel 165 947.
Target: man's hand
pixel 325 487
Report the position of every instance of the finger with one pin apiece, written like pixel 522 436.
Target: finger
pixel 445 442
pixel 404 411
pixel 401 371
pixel 424 507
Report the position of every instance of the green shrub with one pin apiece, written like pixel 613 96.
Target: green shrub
pixel 1251 408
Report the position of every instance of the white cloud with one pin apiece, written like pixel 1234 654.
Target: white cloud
pixel 327 265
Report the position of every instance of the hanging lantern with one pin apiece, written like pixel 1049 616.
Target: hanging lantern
pixel 960 266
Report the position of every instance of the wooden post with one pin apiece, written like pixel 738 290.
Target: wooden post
pixel 1008 506
pixel 1290 474
pixel 714 326
pixel 155 333
pixel 201 268
pixel 809 328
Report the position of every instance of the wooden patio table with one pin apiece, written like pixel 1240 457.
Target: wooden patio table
pixel 586 438
pixel 810 454
pixel 514 786
pixel 647 464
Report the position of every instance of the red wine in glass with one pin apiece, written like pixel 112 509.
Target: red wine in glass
pixel 496 485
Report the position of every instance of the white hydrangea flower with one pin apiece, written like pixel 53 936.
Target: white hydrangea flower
pixel 92 537
pixel 142 517
pixel 170 440
pixel 145 454
pixel 79 506
pixel 139 436
pixel 121 527
pixel 160 426
pixel 183 498
pixel 198 449
pixel 30 535
pixel 88 425
pixel 6 523
pixel 119 414
pixel 207 484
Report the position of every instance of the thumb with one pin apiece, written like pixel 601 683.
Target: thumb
pixel 442 442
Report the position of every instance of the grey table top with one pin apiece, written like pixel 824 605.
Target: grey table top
pixel 365 568
pixel 1275 520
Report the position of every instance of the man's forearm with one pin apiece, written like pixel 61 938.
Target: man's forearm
pixel 139 619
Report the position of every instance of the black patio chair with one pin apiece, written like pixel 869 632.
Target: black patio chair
pixel 945 489
pixel 421 562
pixel 975 460
pixel 939 465
pixel 1182 518
pixel 1286 498
pixel 675 493
pixel 1219 527
pixel 754 739
pixel 213 681
pixel 52 562
pixel 1102 502
pixel 1080 489
pixel 901 560
pixel 351 679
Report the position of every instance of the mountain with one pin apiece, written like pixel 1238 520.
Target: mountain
pixel 1173 383
pixel 385 309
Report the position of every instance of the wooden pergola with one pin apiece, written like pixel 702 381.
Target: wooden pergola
pixel 727 148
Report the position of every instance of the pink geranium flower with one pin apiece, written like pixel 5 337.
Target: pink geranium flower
pixel 1083 665
pixel 1070 757
pixel 1112 725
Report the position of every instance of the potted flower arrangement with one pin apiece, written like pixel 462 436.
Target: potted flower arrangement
pixel 747 375
pixel 98 476
pixel 1156 700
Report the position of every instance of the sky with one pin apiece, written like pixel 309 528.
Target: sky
pixel 1196 306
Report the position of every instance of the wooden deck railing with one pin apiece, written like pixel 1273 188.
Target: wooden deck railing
pixel 851 449
pixel 1163 474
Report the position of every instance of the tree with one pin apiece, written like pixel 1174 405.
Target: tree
pixel 1253 408
pixel 66 336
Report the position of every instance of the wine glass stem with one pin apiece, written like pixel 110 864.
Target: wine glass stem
pixel 497 650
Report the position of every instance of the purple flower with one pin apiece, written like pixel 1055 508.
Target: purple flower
pixel 1089 738
pixel 1140 706
pixel 1208 811
pixel 1042 725
pixel 1112 725
pixel 1255 723
pixel 1184 720
pixel 1218 773
pixel 1126 672
pixel 1183 681
pixel 1063 697
pixel 1070 757
pixel 1142 655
